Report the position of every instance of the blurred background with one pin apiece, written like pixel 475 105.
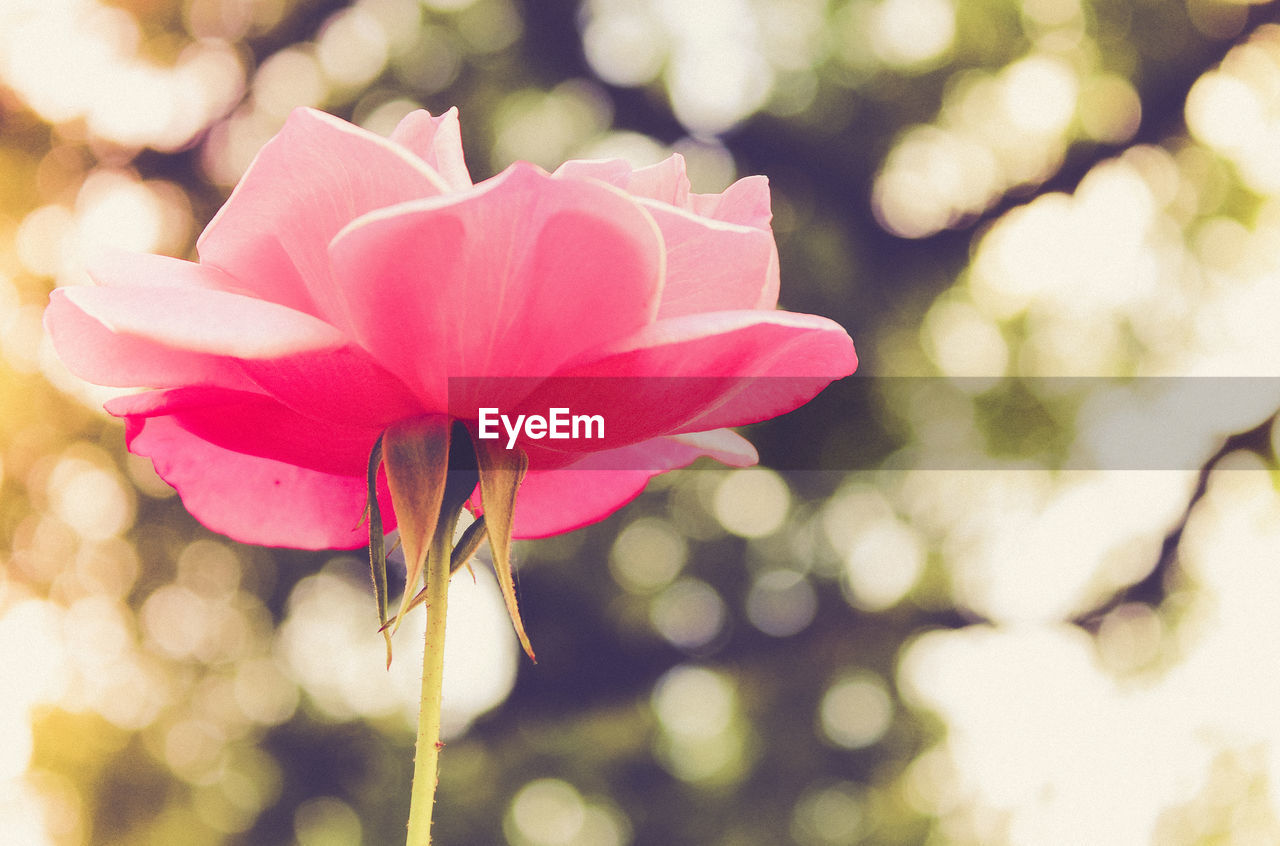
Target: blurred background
pixel 873 648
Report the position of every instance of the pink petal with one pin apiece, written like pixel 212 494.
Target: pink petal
pixel 665 181
pixel 340 384
pixel 714 266
pixel 745 202
pixel 100 343
pixel 203 321
pixel 114 268
pixel 510 279
pixel 556 501
pixel 251 424
pixel 438 142
pixel 706 272
pixel 169 337
pixel 615 172
pixel 769 293
pixel 316 176
pixel 617 453
pixel 729 343
pixel 698 372
pixel 724 445
pixel 256 500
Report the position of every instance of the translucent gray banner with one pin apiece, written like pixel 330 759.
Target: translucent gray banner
pixel 869 423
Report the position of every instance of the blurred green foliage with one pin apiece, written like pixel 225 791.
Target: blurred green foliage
pixel 706 677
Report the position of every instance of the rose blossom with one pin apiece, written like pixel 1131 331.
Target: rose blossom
pixel 350 276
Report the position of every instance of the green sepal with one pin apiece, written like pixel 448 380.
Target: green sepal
pixel 468 544
pixel 431 470
pixel 501 472
pixel 377 552
pixel 416 456
pixel 470 541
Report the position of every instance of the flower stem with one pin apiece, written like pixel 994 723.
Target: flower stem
pixel 426 759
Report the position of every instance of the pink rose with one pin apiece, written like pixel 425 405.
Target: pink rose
pixel 350 276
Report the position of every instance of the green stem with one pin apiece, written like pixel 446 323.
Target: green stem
pixel 426 760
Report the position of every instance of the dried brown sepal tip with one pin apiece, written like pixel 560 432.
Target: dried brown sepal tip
pixel 501 471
